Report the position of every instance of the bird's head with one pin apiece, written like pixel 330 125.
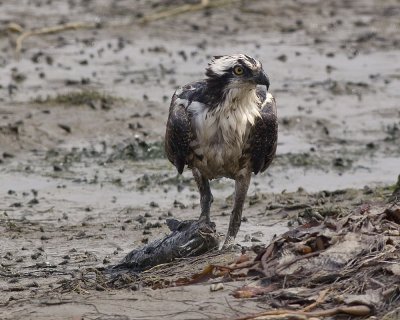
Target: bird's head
pixel 236 71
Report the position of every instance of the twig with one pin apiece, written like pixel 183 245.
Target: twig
pixel 382 285
pixel 317 302
pixel 47 30
pixel 185 8
pixel 239 266
pixel 232 308
pixel 360 310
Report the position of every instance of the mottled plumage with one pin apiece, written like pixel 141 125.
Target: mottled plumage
pixel 224 126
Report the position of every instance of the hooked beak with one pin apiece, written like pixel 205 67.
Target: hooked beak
pixel 262 79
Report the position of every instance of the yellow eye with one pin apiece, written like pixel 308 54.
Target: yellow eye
pixel 238 70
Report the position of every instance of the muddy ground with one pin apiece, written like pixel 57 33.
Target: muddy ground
pixel 83 177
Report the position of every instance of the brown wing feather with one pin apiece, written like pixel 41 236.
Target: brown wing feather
pixel 264 137
pixel 178 135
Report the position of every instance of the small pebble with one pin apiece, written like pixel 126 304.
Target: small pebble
pixel 216 287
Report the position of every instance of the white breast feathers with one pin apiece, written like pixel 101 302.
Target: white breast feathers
pixel 222 132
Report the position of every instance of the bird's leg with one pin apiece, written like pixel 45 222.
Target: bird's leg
pixel 206 198
pixel 242 183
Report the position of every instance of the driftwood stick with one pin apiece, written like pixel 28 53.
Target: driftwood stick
pixel 359 310
pixel 185 8
pixel 47 30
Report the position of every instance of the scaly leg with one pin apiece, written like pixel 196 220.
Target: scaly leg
pixel 242 183
pixel 206 198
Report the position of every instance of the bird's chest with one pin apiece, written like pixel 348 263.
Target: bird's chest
pixel 221 136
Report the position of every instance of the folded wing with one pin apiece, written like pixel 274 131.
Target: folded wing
pixel 178 134
pixel 263 136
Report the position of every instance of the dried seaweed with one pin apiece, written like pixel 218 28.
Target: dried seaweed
pixel 356 258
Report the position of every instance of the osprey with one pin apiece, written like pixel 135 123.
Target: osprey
pixel 224 126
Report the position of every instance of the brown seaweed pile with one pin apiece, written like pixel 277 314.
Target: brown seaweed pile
pixel 349 266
